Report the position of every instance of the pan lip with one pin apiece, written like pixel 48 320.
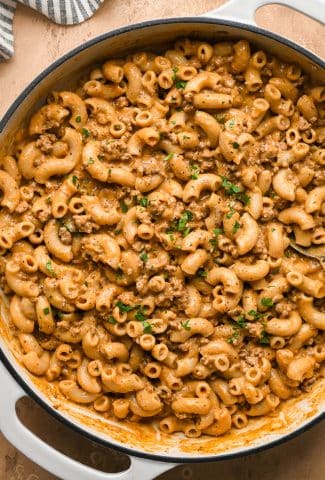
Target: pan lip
pixel 10 366
pixel 150 23
pixel 133 452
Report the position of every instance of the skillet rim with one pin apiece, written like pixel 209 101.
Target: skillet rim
pixel 10 365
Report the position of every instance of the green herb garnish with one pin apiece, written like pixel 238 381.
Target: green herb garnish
pixel 257 315
pixel 168 157
pixel 235 145
pixel 267 302
pixel 175 70
pixel 111 320
pixel 202 273
pixel 50 269
pixel 78 118
pixel 195 172
pixel 144 257
pixel 186 325
pixel 90 161
pixel 85 132
pixel 123 206
pixel 147 328
pixel 234 336
pixel 180 84
pixel 140 315
pixel 265 339
pixel 241 321
pixel 123 307
pixel 236 227
pixel 144 202
pixel 46 311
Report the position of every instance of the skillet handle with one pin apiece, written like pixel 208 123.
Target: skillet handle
pixel 244 10
pixel 50 459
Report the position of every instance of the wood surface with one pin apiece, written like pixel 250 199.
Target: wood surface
pixel 38 42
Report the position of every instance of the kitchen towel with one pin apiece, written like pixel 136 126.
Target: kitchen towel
pixel 65 12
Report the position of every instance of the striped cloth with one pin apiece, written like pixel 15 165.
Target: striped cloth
pixel 65 12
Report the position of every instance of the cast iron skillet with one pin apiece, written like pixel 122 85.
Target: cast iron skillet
pixel 234 20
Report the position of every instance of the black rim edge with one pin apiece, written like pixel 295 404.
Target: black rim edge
pixel 11 110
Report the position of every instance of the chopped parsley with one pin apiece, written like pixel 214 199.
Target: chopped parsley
pixel 144 257
pixel 46 311
pixel 78 118
pixel 175 70
pixel 75 181
pixel 48 200
pixel 231 212
pixel 90 161
pixel 231 124
pixel 60 315
pixel 195 172
pixel 140 315
pixel 180 84
pixel 234 336
pixel 168 157
pixel 123 307
pixel 119 274
pixel 241 321
pixel 257 315
pixel 265 339
pixel 235 145
pixel 144 202
pixel 186 325
pixel 288 254
pixel 111 320
pixel 49 268
pixel 214 241
pixel 85 132
pixel 267 302
pixel 236 227
pixel 232 189
pixel 202 273
pixel 147 328
pixel 180 225
pixel 123 206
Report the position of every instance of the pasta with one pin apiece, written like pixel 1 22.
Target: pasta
pixel 145 230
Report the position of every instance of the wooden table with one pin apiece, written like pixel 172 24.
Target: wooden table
pixel 39 42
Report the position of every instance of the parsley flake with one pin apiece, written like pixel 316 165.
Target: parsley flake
pixel 140 314
pixel 144 202
pixel 46 311
pixel 267 302
pixel 111 320
pixel 123 307
pixel 195 172
pixel 186 325
pixel 168 157
pixel 144 257
pixel 202 273
pixel 85 132
pixel 49 268
pixel 78 118
pixel 147 328
pixel 90 161
pixel 123 206
pixel 235 145
pixel 180 84
pixel 236 227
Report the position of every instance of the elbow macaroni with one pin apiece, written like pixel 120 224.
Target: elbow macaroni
pixel 145 229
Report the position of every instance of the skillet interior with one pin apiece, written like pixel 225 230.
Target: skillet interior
pixel 146 440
